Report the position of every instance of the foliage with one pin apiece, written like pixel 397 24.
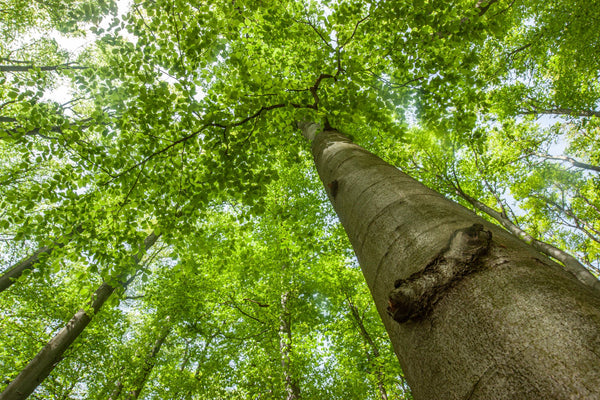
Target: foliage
pixel 179 118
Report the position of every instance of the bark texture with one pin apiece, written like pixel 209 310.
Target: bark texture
pixel 52 353
pixel 570 262
pixel 511 324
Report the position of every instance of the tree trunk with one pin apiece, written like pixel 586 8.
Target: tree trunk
pixel 570 262
pixel 117 391
pixel 472 312
pixel 25 68
pixel 51 354
pixel 44 362
pixel 15 271
pixel 373 353
pixel 149 363
pixel 285 347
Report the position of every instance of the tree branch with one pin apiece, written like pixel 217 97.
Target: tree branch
pixel 317 31
pixel 570 160
pixel 25 68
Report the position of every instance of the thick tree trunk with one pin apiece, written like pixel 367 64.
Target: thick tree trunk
pixel 472 312
pixel 149 363
pixel 570 262
pixel 285 347
pixel 373 353
pixel 51 354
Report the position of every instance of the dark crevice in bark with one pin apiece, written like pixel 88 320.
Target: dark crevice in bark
pixel 568 261
pixel 414 297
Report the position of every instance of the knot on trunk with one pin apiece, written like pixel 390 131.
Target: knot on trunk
pixel 413 297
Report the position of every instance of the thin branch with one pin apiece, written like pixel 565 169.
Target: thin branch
pixel 137 178
pixel 225 127
pixel 25 68
pixel 235 305
pixel 354 31
pixel 151 156
pixel 483 9
pixel 536 109
pixel 317 31
pixel 520 49
pixel 587 201
pixel 570 160
pixel 256 302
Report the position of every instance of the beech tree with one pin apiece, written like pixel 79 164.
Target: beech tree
pixel 182 118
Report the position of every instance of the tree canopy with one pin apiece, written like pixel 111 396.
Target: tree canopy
pixel 178 120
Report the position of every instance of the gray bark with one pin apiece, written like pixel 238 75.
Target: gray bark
pixel 490 318
pixel 51 354
pixel 571 264
pixel 570 160
pixel 285 347
pixel 15 271
pixel 44 362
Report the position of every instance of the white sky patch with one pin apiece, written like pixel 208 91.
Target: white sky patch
pixel 63 91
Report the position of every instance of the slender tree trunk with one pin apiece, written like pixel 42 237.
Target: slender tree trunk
pixel 15 271
pixel 201 364
pixel 285 348
pixel 51 354
pixel 149 363
pixel 44 362
pixel 570 262
pixel 25 68
pixel 117 391
pixel 472 312
pixel 373 353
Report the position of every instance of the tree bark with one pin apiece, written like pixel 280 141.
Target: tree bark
pixel 570 262
pixel 285 347
pixel 472 312
pixel 570 160
pixel 44 362
pixel 149 363
pixel 51 354
pixel 15 271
